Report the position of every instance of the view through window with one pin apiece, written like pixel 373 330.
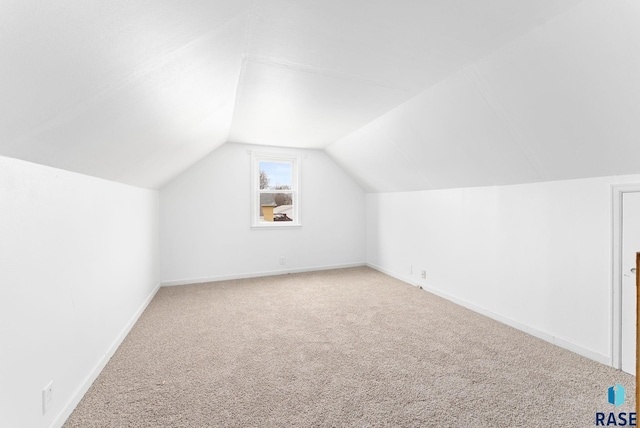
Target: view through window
pixel 276 193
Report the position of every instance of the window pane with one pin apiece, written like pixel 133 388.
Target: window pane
pixel 275 207
pixel 276 175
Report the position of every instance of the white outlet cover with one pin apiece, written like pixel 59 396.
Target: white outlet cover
pixel 47 397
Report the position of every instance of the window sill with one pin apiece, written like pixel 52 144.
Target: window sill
pixel 274 225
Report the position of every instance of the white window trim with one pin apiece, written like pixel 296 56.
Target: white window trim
pixel 256 158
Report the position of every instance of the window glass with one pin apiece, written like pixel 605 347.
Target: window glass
pixel 275 191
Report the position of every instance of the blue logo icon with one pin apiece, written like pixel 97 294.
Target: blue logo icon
pixel 616 395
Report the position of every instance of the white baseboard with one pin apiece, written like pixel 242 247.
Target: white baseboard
pixel 68 408
pixel 258 274
pixel 563 343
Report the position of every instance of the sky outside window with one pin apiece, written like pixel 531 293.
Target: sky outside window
pixel 279 173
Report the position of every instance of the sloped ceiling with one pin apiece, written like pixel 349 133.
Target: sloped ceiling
pixel 561 102
pixel 404 95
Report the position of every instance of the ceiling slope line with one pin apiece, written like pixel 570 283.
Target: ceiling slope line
pixel 246 42
pixel 252 17
pixel 139 73
pixel 290 65
pixel 237 94
pixel 404 156
pixel 517 135
pixel 359 181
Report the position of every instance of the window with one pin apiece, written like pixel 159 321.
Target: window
pixel 275 191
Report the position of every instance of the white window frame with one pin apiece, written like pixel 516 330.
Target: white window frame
pixel 294 160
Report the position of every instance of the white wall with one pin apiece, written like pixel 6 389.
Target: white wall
pixel 205 220
pixel 536 256
pixel 79 258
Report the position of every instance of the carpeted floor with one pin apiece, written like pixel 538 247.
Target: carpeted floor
pixel 350 347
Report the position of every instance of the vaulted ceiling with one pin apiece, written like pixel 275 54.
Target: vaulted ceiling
pixel 404 95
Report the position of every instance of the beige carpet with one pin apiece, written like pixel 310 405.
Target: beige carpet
pixel 338 348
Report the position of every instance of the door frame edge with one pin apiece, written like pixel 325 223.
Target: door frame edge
pixel 617 192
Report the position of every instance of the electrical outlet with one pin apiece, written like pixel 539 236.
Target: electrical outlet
pixel 47 397
pixel 410 270
pixel 281 260
pixel 424 274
